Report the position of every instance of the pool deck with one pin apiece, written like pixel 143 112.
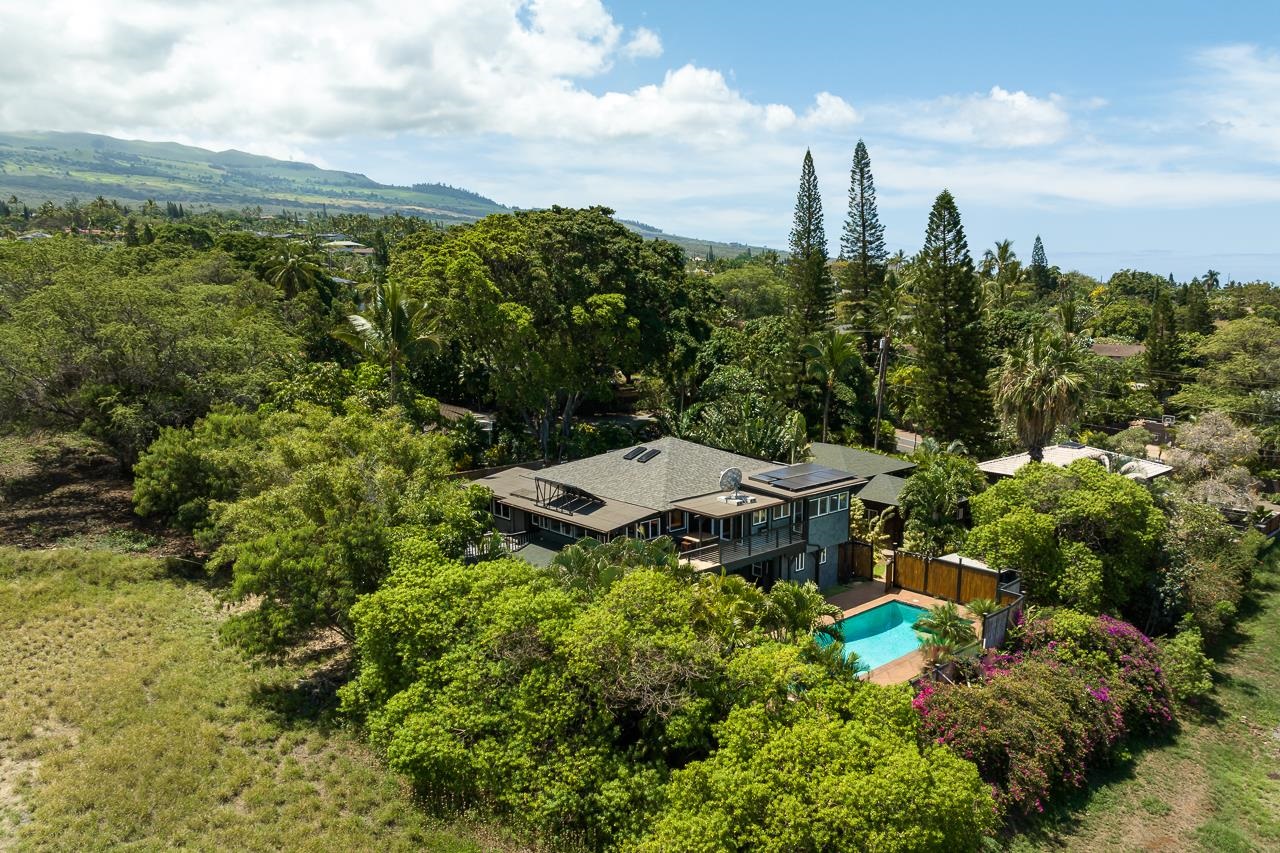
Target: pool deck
pixel 863 596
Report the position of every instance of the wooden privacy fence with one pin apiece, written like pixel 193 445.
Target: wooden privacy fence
pixel 995 626
pixel 959 582
pixel 857 560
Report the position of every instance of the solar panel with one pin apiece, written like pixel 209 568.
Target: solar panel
pixel 799 478
pixel 648 454
pixel 633 453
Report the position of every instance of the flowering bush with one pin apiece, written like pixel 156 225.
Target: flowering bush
pixel 1063 701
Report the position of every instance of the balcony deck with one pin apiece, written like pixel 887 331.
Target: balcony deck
pixel 761 545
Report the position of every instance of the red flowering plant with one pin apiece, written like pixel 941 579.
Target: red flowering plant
pixel 1064 700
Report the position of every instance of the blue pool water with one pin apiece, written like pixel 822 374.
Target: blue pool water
pixel 879 635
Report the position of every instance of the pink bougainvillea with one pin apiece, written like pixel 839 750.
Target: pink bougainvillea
pixel 1039 717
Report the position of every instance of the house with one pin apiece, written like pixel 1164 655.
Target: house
pixel 1117 352
pixel 1064 454
pixel 34 235
pixel 884 477
pixel 763 520
pixel 346 247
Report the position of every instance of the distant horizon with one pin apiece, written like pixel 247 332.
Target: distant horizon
pixel 1123 137
pixel 1098 264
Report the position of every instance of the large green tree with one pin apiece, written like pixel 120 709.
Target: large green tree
pixel 862 243
pixel 121 353
pixel 553 305
pixel 1041 385
pixel 953 393
pixel 812 292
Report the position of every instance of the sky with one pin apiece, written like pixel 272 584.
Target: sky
pixel 1141 135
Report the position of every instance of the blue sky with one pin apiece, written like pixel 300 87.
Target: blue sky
pixel 1143 135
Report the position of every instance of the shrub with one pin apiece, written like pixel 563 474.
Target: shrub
pixel 1064 701
pixel 1187 669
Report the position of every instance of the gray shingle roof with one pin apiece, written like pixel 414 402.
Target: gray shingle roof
pixel 681 469
pixel 864 463
pixel 882 489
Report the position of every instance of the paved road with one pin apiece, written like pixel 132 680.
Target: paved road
pixel 907 441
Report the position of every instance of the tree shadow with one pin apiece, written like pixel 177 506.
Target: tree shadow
pixel 310 698
pixel 1065 812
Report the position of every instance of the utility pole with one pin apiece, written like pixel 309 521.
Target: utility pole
pixel 884 363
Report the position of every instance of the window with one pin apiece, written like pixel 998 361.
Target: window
pixel 822 557
pixel 675 519
pixel 537 521
pixel 783 511
pixel 828 504
pixel 501 510
pixel 648 529
pixel 760 516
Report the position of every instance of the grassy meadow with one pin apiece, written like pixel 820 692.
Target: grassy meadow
pixel 125 722
pixel 1212 786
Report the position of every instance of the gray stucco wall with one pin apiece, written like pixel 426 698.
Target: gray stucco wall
pixel 830 529
pixel 827 573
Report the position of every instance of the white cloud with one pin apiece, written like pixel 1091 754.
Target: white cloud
pixel 644 44
pixel 998 119
pixel 830 111
pixel 284 73
pixel 1239 98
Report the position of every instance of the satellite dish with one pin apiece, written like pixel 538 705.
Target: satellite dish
pixel 730 479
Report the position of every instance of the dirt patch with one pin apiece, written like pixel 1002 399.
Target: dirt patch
pixel 62 493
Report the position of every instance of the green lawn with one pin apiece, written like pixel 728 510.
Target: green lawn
pixel 124 722
pixel 1215 785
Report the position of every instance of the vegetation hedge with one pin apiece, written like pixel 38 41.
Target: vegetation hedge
pixel 1065 700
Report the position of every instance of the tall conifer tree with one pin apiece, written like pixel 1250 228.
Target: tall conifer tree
pixel 1040 274
pixel 954 394
pixel 812 293
pixel 1162 342
pixel 862 243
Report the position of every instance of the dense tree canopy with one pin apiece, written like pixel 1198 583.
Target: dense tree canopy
pixel 553 304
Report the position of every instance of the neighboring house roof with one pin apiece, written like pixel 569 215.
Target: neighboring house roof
pixel 1063 455
pixel 864 463
pixel 884 489
pixel 956 558
pixel 34 235
pixel 342 244
pixel 1118 351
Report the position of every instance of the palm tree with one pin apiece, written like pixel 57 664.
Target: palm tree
pixel 1003 272
pixel 826 357
pixel 795 609
pixel 982 607
pixel 294 269
pixel 390 331
pixel 1041 385
pixel 944 622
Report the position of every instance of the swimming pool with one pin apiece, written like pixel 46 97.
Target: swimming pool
pixel 879 635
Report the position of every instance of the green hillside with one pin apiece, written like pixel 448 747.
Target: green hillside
pixel 59 166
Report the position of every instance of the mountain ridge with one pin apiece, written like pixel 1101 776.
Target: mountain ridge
pixel 58 166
